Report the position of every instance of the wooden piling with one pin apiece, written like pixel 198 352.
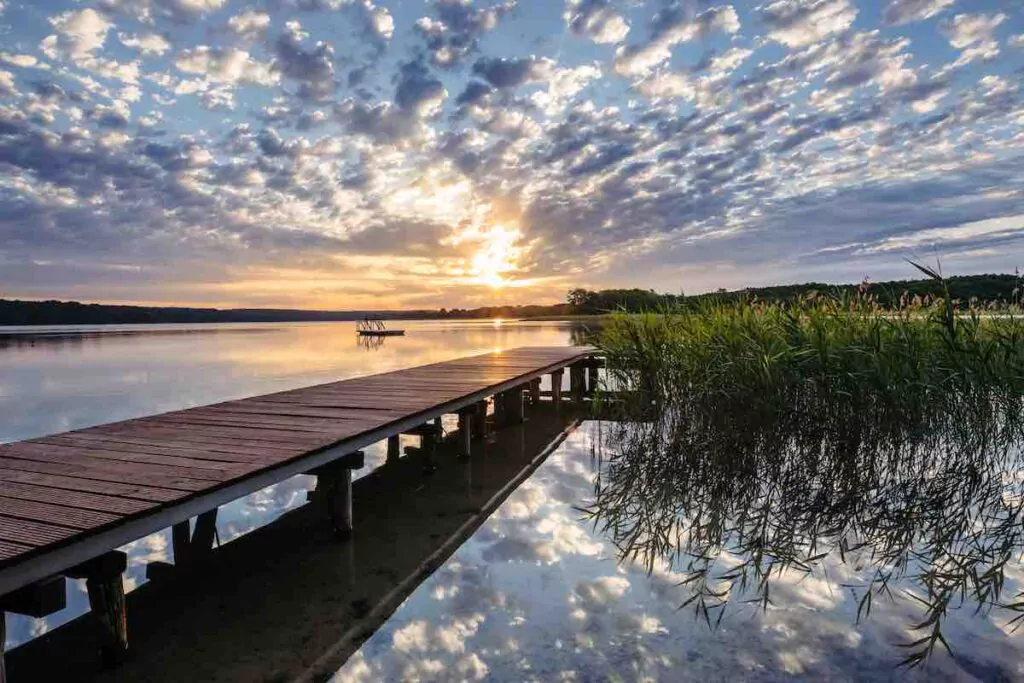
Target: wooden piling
pixel 576 381
pixel 556 386
pixel 394 449
pixel 514 405
pixel 535 392
pixel 334 487
pixel 106 602
pixel 592 378
pixel 480 421
pixel 466 420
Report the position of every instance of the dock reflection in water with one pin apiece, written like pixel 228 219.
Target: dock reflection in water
pixel 539 593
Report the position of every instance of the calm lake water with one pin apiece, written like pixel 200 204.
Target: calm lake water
pixel 537 595
pixel 53 379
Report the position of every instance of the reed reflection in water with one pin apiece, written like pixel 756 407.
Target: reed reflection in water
pixel 740 492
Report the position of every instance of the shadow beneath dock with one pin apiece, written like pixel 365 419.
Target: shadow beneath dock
pixel 269 605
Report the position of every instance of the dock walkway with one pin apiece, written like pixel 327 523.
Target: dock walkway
pixel 68 500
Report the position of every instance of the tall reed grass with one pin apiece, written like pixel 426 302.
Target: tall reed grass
pixel 785 433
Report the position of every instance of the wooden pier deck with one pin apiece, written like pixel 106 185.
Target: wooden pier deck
pixel 70 498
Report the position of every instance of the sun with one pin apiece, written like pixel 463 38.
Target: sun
pixel 497 256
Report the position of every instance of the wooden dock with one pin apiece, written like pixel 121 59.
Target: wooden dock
pixel 67 501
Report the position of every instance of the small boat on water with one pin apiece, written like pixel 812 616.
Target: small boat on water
pixel 374 327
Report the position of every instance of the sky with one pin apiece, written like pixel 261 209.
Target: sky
pixel 425 153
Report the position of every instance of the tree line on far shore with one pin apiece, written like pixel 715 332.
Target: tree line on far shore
pixel 1000 290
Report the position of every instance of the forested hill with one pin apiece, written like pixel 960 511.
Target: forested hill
pixel 73 313
pixel 1002 289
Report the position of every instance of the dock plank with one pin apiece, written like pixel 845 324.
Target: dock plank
pixel 64 483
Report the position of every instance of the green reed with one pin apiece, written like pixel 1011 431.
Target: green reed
pixel 785 433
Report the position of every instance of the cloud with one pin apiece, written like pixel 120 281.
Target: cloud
pixel 225 65
pixel 249 23
pixel 796 23
pixel 148 11
pixel 510 73
pixel 418 91
pixel 147 44
pixel 458 28
pixel 899 12
pixel 597 20
pixel 78 34
pixel 312 69
pixel 669 27
pixel 973 35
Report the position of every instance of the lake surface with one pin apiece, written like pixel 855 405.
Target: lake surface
pixel 536 594
pixel 54 379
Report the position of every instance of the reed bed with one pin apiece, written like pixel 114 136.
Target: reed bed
pixel 783 434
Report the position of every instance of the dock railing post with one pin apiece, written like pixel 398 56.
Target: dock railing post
pixel 556 386
pixel 106 602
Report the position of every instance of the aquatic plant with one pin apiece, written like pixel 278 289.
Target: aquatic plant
pixel 784 433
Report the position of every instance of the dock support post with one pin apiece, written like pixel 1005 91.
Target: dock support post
pixel 514 405
pixel 394 449
pixel 535 392
pixel 204 534
pixel 556 386
pixel 480 420
pixel 466 423
pixel 180 539
pixel 428 446
pixel 334 485
pixel 576 380
pixel 592 378
pixel 106 602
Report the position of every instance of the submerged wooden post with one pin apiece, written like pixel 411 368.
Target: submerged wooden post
pixel 576 381
pixel 106 602
pixel 556 386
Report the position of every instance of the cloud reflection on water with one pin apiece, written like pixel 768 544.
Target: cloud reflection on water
pixel 536 594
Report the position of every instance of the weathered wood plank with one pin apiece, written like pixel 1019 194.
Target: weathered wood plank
pixel 128 490
pixel 32 533
pixel 73 499
pixel 113 461
pixel 49 513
